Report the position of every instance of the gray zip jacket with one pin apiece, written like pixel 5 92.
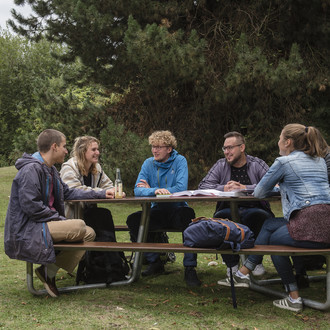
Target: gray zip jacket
pixel 220 174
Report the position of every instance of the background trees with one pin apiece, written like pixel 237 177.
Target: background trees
pixel 199 68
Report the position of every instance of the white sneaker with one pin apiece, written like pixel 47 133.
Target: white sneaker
pixel 239 282
pixel 259 270
pixel 234 270
pixel 287 304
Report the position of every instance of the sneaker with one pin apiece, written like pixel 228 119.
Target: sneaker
pixel 48 283
pixel 234 270
pixel 154 268
pixel 239 282
pixel 190 276
pixel 259 270
pixel 287 304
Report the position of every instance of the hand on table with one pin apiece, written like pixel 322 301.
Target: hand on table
pixel 110 193
pixel 233 185
pixel 162 191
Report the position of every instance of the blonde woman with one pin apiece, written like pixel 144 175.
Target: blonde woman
pixel 83 171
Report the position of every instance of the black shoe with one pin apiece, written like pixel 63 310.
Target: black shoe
pixel 302 281
pixel 190 276
pixel 48 283
pixel 154 268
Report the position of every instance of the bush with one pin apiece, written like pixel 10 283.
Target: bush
pixel 125 150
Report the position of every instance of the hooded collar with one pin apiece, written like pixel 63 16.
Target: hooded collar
pixel 169 162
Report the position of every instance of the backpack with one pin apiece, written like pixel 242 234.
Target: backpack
pixel 218 233
pixel 102 267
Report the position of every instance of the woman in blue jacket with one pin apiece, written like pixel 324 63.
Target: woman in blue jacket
pixel 301 173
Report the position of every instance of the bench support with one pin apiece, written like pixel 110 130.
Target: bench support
pixel 139 248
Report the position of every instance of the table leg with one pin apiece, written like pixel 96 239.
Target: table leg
pixel 234 211
pixel 142 237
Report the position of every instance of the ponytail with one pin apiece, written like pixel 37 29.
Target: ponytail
pixel 307 139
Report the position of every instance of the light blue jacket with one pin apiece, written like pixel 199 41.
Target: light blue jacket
pixel 171 175
pixel 303 182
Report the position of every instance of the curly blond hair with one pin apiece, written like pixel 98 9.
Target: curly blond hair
pixel 163 137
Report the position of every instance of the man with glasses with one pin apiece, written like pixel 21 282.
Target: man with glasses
pixel 238 171
pixel 164 173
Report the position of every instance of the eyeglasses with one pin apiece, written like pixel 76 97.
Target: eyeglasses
pixel 158 147
pixel 230 148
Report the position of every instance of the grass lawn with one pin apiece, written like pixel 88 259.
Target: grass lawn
pixel 162 302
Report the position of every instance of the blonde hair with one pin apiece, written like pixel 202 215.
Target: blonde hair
pixel 306 138
pixel 79 149
pixel 165 137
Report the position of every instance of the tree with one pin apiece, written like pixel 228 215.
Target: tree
pixel 199 68
pixel 34 96
pixel 24 72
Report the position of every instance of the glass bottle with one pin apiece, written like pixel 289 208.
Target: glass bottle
pixel 118 185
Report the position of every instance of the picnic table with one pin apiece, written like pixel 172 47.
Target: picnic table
pixel 141 246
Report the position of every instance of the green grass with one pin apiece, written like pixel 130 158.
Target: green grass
pixel 162 302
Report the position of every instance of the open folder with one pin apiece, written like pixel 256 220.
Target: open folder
pixel 212 192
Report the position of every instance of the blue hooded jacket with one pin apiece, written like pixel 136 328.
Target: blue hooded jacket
pixel 171 175
pixel 26 234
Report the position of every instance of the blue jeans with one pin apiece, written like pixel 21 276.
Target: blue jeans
pixel 252 217
pixel 175 218
pixel 275 232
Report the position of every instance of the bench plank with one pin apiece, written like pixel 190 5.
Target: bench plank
pixel 174 247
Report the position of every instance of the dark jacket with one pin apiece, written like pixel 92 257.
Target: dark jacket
pixel 26 234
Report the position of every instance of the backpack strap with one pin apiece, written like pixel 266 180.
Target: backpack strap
pixel 242 231
pixel 218 221
pixel 225 225
pixel 232 287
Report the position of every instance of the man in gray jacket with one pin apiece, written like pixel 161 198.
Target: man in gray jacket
pixel 35 216
pixel 238 171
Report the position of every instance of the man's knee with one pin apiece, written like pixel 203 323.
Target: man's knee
pixel 77 230
pixel 83 232
pixel 89 235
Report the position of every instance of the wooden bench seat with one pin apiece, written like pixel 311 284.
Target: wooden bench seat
pixel 257 285
pixel 175 247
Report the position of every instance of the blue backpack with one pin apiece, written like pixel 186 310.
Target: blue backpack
pixel 218 233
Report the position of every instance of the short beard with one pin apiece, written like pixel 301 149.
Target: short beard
pixel 234 161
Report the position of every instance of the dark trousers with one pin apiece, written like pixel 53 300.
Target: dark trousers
pixel 99 219
pixel 251 217
pixel 174 218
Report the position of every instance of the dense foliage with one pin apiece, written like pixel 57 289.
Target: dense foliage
pixel 199 68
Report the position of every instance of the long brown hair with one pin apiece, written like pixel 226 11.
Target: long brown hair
pixel 79 149
pixel 307 139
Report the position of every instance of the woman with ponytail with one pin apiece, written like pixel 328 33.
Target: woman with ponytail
pixel 301 174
